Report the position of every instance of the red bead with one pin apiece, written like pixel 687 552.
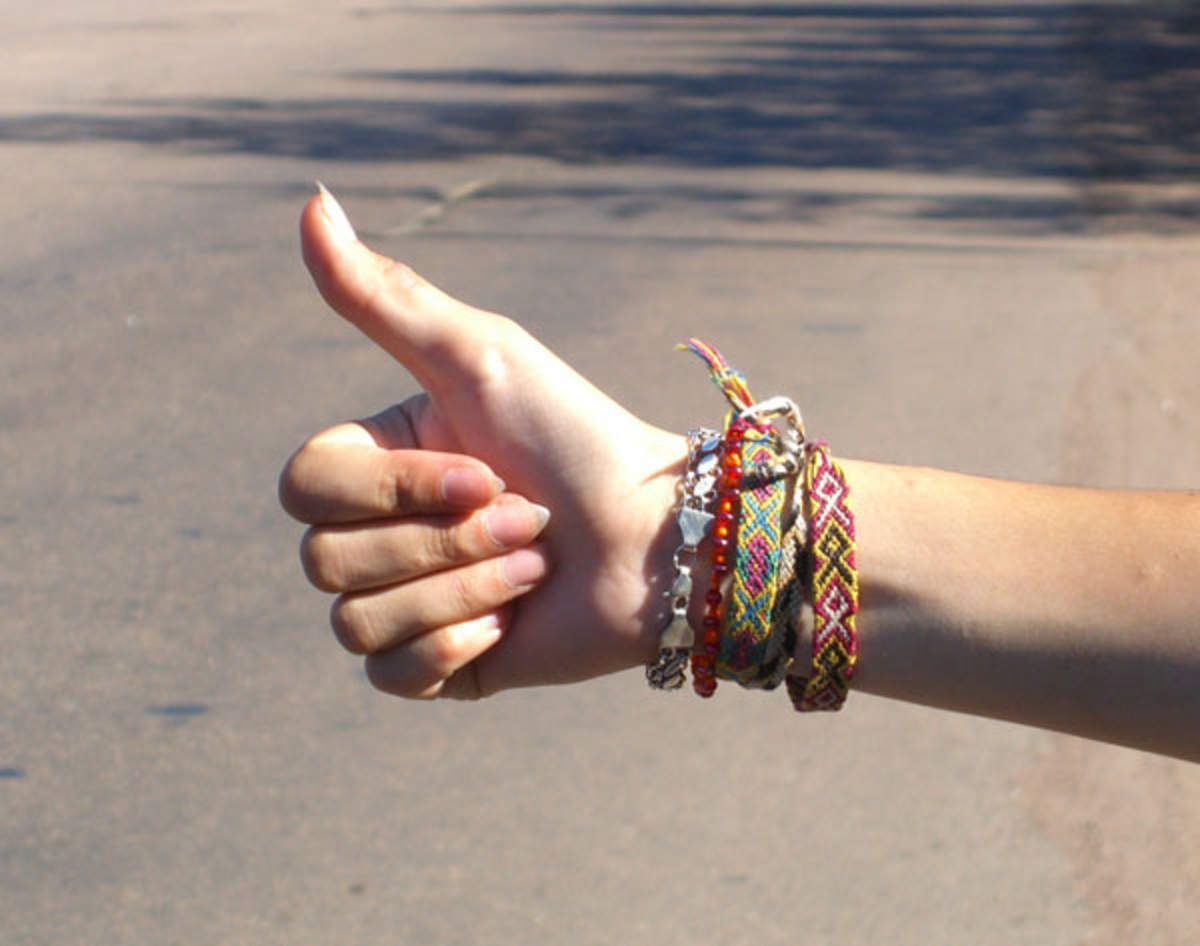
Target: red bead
pixel 721 557
pixel 713 597
pixel 712 638
pixel 733 478
pixel 719 543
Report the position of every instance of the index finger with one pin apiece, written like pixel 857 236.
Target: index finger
pixel 344 475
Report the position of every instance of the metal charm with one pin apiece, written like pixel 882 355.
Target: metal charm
pixel 692 514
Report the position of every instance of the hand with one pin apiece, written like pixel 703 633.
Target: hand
pixel 400 505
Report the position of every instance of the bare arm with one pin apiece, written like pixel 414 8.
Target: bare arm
pixel 1071 609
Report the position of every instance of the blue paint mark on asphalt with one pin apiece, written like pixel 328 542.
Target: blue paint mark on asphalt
pixel 178 710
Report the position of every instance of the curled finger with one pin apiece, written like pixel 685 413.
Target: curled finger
pixel 344 475
pixel 357 557
pixel 370 622
pixel 439 662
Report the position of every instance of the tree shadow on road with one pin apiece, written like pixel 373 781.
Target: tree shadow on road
pixel 1092 93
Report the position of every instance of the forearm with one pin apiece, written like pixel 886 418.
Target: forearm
pixel 1070 609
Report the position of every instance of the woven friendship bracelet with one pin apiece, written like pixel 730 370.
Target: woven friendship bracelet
pixel 791 613
pixel 752 598
pixel 834 586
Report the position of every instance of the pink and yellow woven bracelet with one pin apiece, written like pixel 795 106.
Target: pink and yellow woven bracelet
pixel 834 593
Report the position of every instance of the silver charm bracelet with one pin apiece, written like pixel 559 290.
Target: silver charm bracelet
pixel 694 516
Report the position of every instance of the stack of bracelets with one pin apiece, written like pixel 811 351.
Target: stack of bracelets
pixel 776 508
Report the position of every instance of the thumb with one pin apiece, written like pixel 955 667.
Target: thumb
pixel 433 335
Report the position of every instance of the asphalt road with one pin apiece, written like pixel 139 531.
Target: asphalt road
pixel 992 213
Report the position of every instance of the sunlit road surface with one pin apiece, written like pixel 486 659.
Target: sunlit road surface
pixel 985 218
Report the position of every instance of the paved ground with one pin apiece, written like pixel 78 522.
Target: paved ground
pixel 992 212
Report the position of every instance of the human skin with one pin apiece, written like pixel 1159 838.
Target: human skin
pixel 1069 609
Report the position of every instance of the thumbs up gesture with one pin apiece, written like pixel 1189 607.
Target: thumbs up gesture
pixel 509 526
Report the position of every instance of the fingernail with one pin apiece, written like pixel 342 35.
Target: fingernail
pixel 470 487
pixel 343 231
pixel 516 523
pixel 523 568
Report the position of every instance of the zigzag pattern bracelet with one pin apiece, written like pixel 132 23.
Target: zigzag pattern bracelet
pixel 834 586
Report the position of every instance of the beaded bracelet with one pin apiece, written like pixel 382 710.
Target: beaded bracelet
pixel 724 544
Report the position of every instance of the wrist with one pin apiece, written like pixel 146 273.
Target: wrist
pixel 659 508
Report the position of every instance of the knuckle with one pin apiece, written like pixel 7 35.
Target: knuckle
pixel 400 488
pixel 444 546
pixel 443 653
pixel 465 588
pixel 401 279
pixel 464 684
pixel 493 358
pixel 295 494
pixel 379 677
pixel 486 354
pixel 322 565
pixel 508 331
pixel 352 626
pixel 406 484
pixel 390 490
pixel 384 676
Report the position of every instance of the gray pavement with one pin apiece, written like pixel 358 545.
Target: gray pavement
pixel 992 212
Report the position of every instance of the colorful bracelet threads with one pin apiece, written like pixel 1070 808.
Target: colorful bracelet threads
pixel 752 597
pixel 791 612
pixel 729 381
pixel 834 586
pixel 781 525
